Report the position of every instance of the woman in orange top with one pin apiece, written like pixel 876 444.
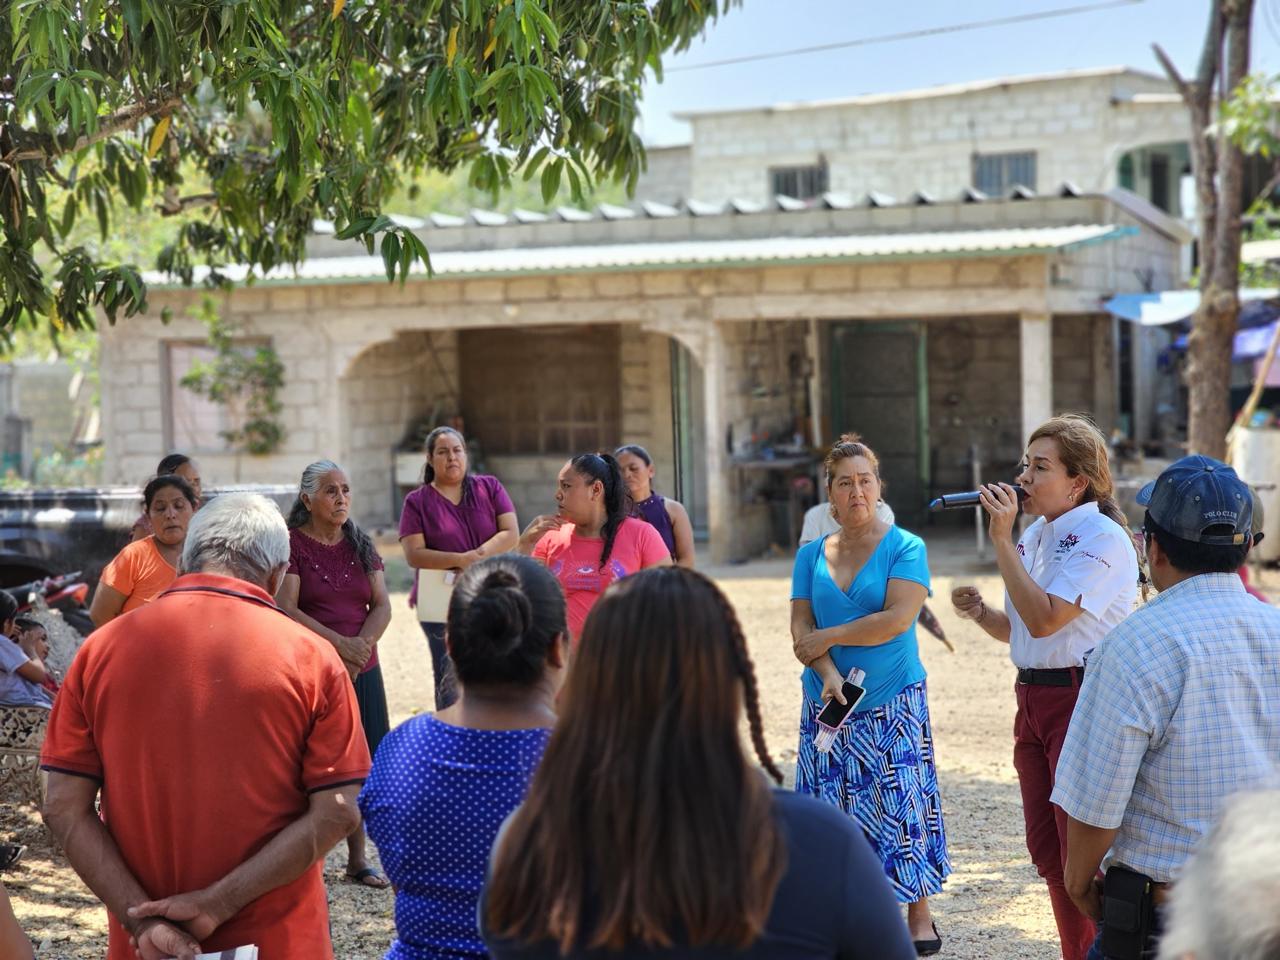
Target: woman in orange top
pixel 182 466
pixel 144 569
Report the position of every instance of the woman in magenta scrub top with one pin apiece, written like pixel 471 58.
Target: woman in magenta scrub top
pixel 449 523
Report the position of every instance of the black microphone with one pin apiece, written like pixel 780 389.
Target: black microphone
pixel 972 498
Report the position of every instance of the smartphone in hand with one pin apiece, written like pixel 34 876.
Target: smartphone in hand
pixel 834 714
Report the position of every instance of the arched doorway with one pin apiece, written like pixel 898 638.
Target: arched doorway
pixel 391 394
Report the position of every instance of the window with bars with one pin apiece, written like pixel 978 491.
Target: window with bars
pixel 542 391
pixel 801 182
pixel 995 174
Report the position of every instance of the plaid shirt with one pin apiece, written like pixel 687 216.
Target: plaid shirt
pixel 1180 708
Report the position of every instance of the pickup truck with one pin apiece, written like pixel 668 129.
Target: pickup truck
pixel 48 531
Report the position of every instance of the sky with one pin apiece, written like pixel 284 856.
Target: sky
pixel 1119 35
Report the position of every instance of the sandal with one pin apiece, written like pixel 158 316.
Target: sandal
pixel 369 877
pixel 10 854
pixel 927 948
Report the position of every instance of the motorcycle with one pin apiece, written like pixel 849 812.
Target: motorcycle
pixel 67 593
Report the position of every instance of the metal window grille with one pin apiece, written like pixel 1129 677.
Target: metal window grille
pixel 542 390
pixel 799 183
pixel 995 174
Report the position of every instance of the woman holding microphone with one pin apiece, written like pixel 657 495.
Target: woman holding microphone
pixel 1071 578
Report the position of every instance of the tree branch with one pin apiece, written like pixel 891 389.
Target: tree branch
pixel 176 205
pixel 1198 96
pixel 1212 50
pixel 108 128
pixel 1184 89
pixel 1230 159
pixel 1270 186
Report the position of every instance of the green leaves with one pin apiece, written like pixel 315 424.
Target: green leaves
pixel 551 179
pixel 281 113
pixel 132 12
pixel 1251 117
pixel 400 246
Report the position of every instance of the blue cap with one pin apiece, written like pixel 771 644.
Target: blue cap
pixel 1196 493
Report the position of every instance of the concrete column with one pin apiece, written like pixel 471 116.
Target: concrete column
pixel 338 431
pixel 1106 373
pixel 813 354
pixel 1035 331
pixel 719 485
pixel 1142 371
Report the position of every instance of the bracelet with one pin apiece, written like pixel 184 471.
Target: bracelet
pixel 983 615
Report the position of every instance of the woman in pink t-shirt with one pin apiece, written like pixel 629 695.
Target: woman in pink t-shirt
pixel 592 539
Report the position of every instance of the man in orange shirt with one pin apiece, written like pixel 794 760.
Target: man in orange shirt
pixel 225 740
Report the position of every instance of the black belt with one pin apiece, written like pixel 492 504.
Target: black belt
pixel 1057 677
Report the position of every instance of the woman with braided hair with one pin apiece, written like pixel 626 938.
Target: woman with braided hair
pixel 647 832
pixel 855 598
pixel 592 540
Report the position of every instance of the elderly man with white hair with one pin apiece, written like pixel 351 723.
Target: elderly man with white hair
pixel 1226 903
pixel 225 741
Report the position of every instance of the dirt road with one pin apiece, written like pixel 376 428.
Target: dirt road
pixel 994 905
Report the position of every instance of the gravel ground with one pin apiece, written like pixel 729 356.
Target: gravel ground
pixel 994 905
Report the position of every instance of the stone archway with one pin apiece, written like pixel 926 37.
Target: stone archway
pixel 389 392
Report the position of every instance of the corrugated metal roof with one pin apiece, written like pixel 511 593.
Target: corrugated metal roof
pixel 682 254
pixel 693 207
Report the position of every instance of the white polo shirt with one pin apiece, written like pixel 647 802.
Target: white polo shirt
pixel 1081 554
pixel 818 521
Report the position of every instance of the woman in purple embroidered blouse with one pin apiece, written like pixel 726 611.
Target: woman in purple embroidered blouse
pixel 335 587
pixel 665 515
pixel 449 523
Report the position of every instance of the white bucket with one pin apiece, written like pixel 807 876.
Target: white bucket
pixel 1255 454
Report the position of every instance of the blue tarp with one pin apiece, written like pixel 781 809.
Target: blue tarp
pixel 1259 314
pixel 1249 344
pixel 1174 306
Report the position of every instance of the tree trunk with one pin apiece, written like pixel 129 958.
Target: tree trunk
pixel 1219 171
pixel 1209 371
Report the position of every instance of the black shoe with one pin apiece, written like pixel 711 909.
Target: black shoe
pixel 10 854
pixel 927 948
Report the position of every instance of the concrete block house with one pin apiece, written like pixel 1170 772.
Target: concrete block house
pixel 855 265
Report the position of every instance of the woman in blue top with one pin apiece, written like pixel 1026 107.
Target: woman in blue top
pixel 442 784
pixel 855 596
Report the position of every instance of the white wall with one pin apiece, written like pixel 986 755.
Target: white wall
pixel 669 175
pixel 1078 128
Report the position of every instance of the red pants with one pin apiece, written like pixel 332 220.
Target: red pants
pixel 1038 732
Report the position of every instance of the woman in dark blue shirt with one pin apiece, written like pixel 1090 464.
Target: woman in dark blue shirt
pixel 647 832
pixel 442 784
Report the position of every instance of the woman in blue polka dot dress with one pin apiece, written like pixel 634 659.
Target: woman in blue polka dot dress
pixel 442 784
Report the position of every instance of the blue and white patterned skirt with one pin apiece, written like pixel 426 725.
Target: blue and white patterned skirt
pixel 881 773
